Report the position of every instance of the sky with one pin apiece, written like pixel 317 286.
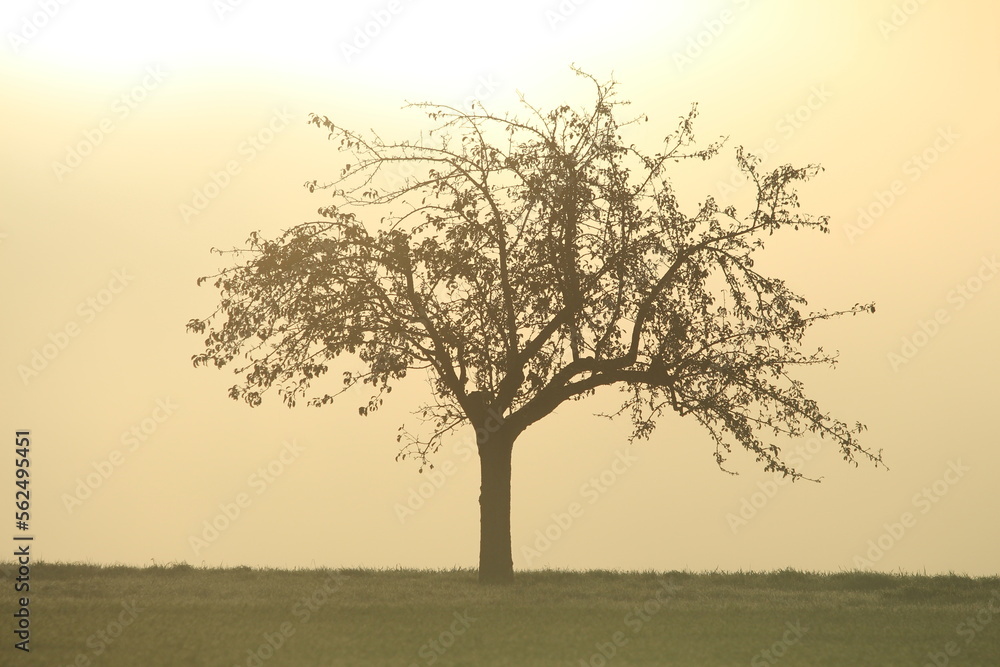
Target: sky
pixel 137 138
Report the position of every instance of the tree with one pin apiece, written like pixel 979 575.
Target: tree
pixel 522 263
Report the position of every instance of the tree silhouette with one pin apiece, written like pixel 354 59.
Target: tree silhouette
pixel 521 264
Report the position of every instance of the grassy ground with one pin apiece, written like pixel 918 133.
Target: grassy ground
pixel 89 615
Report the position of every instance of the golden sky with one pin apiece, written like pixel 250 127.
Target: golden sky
pixel 138 137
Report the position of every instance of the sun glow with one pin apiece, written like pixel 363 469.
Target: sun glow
pixel 388 41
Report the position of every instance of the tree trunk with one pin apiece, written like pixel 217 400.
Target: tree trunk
pixel 495 563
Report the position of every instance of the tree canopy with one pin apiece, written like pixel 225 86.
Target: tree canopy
pixel 523 261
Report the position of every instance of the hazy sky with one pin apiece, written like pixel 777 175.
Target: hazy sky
pixel 136 138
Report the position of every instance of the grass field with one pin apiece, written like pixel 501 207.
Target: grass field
pixel 90 615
